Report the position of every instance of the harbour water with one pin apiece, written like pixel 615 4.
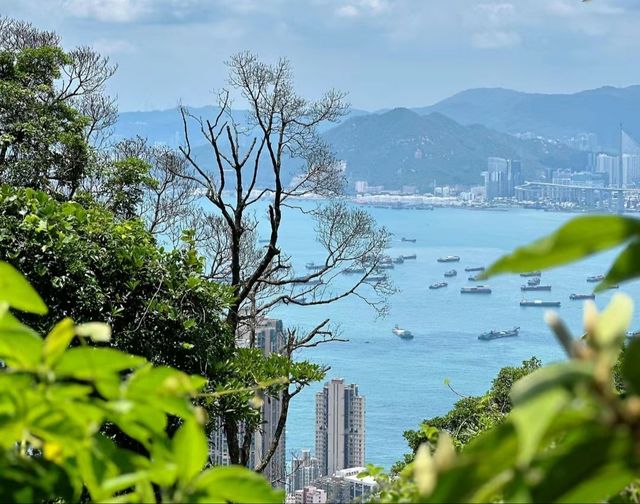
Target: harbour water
pixel 403 380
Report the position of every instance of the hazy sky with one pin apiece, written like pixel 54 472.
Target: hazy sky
pixel 384 53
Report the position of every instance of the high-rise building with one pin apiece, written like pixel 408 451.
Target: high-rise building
pixel 340 432
pixel 608 165
pixel 502 177
pixel 630 169
pixel 269 337
pixel 305 469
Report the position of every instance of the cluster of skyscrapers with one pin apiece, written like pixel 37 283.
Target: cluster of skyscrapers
pixel 502 177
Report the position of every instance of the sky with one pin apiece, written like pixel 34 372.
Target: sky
pixel 383 53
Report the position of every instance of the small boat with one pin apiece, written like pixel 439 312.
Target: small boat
pixel 353 270
pixel 534 281
pixel 313 266
pixel 398 260
pixel 376 278
pixel 575 297
pixel 535 288
pixel 438 285
pixel 264 240
pixel 402 333
pixel 595 278
pixel 531 274
pixel 474 268
pixel 478 289
pixel 491 335
pixel 385 260
pixel 615 286
pixel 450 273
pixel 386 266
pixel 445 259
pixel 474 278
pixel 411 256
pixel 410 240
pixel 540 302
pixel 314 282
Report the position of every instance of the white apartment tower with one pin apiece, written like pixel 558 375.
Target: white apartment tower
pixel 340 432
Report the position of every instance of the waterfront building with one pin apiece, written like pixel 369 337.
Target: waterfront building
pixel 361 186
pixel 630 169
pixel 305 470
pixel 269 337
pixel 502 177
pixel 340 427
pixel 609 166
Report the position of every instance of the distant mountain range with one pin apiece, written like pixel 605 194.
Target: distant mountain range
pixel 448 141
pixel 561 116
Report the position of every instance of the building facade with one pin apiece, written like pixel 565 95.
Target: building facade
pixel 340 427
pixel 269 337
pixel 305 469
pixel 502 177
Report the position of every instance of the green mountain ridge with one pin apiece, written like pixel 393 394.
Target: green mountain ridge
pixel 401 147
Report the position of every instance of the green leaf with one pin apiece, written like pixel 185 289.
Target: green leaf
pixel 20 346
pixel 579 238
pixel 613 323
pixel 97 331
pixel 90 363
pixel 190 449
pixel 625 267
pixel 532 419
pixel 564 374
pixel 234 484
pixel 17 292
pixel 57 341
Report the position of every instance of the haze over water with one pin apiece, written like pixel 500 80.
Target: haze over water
pixel 403 381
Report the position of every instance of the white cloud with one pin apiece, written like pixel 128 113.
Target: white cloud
pixel 113 46
pixel 109 11
pixel 355 8
pixel 495 39
pixel 347 11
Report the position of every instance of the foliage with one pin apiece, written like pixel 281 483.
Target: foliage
pixel 573 432
pixel 90 266
pixel 55 399
pixel 42 143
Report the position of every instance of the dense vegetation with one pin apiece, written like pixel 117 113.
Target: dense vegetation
pixel 55 402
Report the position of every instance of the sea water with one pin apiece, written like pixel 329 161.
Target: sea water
pixel 403 381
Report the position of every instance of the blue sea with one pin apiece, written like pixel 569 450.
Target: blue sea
pixel 404 380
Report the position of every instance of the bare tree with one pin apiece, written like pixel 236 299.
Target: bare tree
pixel 248 171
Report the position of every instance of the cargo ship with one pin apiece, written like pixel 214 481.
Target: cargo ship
pixel 491 335
pixel 478 289
pixel 535 287
pixel 531 274
pixel 410 240
pixel 353 271
pixel 474 268
pixel 411 256
pixel 575 297
pixel 540 303
pixel 450 258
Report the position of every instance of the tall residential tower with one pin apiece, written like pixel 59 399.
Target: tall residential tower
pixel 340 432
